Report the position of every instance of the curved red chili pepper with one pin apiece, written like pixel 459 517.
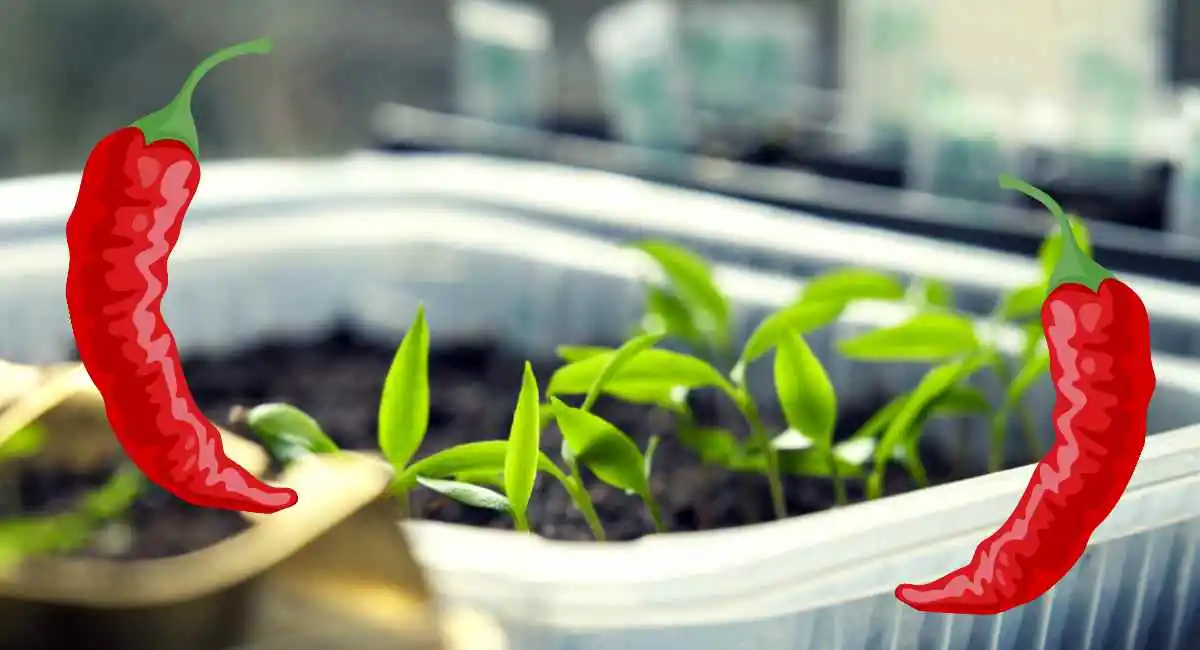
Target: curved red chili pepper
pixel 137 185
pixel 1098 334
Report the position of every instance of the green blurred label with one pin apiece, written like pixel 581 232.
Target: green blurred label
pixel 501 83
pixel 894 28
pixel 965 152
pixel 746 61
pixel 1112 88
pixel 650 114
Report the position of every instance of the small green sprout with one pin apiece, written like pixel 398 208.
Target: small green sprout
pixel 926 337
pixel 25 536
pixel 494 474
pixel 902 433
pixel 608 368
pixel 927 294
pixel 939 335
pixel 808 399
pixel 663 378
pixel 944 338
pixel 404 406
pixel 521 458
pixel 23 443
pixel 286 431
pixel 847 285
pixel 805 316
pixel 473 495
pixel 691 307
pixel 608 452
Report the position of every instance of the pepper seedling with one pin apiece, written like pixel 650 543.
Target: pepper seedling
pixel 822 301
pixel 30 535
pixel 664 378
pixel 500 474
pixel 951 340
pixel 687 305
pixel 493 474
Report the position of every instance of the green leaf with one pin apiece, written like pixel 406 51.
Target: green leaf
pixel 960 401
pixel 851 284
pixel 1030 373
pixel 805 392
pixel 877 423
pixel 929 337
pixel 1034 368
pixel 670 398
pixel 1023 303
pixel 1034 339
pixel 932 293
pixel 957 401
pixel 404 407
pixel 662 370
pixel 692 282
pixel 573 353
pixel 815 463
pixel 25 442
pixel 667 314
pixel 481 456
pixel 932 387
pixel 654 393
pixel 651 448
pixel 37 535
pixel 1051 248
pixel 800 318
pixel 798 456
pixel 486 478
pixel 115 497
pixel 545 415
pixel 524 438
pixel 287 432
pixel 713 446
pixel 475 496
pixel 603 448
pixel 616 360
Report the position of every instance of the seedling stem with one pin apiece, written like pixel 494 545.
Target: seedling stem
pixel 759 434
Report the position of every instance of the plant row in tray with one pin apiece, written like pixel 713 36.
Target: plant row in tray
pixel 657 434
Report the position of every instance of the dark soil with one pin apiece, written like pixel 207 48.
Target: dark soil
pixel 473 390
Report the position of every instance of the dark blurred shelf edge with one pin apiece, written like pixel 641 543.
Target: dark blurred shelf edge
pixel 842 191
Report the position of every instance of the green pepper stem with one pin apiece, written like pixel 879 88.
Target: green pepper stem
pixel 174 121
pixel 1074 266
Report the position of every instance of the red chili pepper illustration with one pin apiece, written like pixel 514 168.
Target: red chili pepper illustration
pixel 1098 336
pixel 137 185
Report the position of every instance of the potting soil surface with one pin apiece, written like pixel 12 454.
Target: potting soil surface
pixel 473 389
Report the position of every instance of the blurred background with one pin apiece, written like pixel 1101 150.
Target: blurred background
pixel 1088 97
